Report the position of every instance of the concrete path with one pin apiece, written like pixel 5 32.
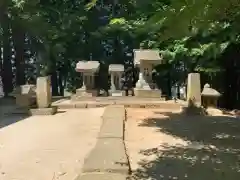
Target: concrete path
pixel 50 147
pixel 108 160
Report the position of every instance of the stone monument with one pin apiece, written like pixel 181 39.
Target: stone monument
pixel 146 60
pixel 44 98
pixel 88 69
pixel 116 71
pixel 194 88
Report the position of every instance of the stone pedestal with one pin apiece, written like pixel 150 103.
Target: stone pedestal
pixel 153 93
pixel 194 88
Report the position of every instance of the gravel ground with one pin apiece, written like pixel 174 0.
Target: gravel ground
pixel 171 146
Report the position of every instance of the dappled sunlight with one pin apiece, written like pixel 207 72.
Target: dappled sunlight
pixel 212 149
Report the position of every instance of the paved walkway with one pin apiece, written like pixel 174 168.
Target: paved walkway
pixel 108 159
pixel 49 147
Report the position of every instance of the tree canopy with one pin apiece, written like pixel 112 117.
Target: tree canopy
pixel 48 37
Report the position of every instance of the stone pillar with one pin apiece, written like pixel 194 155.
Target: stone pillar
pixel 43 92
pixel 194 88
pixel 83 82
pixel 120 80
pixel 113 87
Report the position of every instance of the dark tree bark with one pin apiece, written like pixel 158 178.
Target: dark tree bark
pixel 19 41
pixel 7 73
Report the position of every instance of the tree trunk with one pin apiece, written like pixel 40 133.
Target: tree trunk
pixel 60 83
pixel 19 39
pixel 7 73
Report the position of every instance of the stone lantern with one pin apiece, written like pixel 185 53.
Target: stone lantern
pixel 88 69
pixel 210 97
pixel 146 59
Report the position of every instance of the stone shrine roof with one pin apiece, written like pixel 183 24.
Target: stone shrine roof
pixel 87 66
pixel 149 55
pixel 208 91
pixel 116 68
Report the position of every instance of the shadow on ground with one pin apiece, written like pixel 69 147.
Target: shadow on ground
pixel 9 119
pixel 213 151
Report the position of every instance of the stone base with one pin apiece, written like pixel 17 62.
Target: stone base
pixel 86 93
pixel 43 111
pixel 117 93
pixel 25 101
pixel 153 93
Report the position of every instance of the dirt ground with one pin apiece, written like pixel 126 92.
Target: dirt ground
pixel 49 147
pixel 170 146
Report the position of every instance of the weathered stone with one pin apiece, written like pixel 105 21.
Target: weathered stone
pixel 81 105
pixel 86 92
pixel 210 96
pixel 98 104
pixel 25 95
pixel 145 60
pixel 107 156
pixel 87 66
pixel 116 68
pixel 116 71
pixel 102 176
pixel 43 111
pixel 88 70
pixel 113 123
pixel 114 111
pixel 208 91
pixel 151 93
pixel 43 91
pixel 149 55
pixel 194 88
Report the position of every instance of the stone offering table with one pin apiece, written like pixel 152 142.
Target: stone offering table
pixel 146 60
pixel 116 71
pixel 88 70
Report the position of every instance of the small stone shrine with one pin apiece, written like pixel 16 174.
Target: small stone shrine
pixel 146 60
pixel 88 69
pixel 116 71
pixel 44 98
pixel 210 97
